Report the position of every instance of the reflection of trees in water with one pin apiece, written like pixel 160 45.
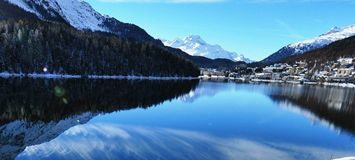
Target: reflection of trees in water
pixel 34 111
pixel 333 104
pixel 46 100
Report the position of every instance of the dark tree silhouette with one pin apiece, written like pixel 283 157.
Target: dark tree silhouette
pixel 29 46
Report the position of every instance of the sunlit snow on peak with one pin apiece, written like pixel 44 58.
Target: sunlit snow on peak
pixel 196 46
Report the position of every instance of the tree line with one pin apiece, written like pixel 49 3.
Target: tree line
pixel 29 46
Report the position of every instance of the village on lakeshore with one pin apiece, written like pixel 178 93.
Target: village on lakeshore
pixel 340 72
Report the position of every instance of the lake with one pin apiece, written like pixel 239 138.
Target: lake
pixel 123 119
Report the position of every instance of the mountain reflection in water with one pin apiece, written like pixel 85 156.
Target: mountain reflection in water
pixel 76 119
pixel 33 111
pixel 333 105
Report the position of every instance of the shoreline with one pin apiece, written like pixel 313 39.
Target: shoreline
pixel 346 85
pixel 68 76
pixel 120 77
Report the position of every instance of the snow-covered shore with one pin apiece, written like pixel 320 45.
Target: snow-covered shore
pixel 68 76
pixel 348 85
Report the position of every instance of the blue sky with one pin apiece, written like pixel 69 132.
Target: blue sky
pixel 255 28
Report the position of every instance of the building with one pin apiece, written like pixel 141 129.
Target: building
pixel 345 61
pixel 345 72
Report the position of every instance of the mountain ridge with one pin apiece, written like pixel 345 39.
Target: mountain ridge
pixel 331 52
pixel 299 48
pixel 194 45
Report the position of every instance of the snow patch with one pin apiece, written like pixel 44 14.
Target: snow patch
pixel 81 15
pixel 77 13
pixel 22 4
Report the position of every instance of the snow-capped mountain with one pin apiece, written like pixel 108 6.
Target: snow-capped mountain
pixel 196 46
pixel 82 16
pixel 335 34
pixel 79 14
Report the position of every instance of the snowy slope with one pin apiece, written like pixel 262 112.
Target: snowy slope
pixel 77 13
pixel 82 16
pixel 22 4
pixel 335 34
pixel 196 46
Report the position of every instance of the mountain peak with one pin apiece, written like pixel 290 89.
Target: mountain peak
pixel 194 38
pixel 333 30
pixel 335 34
pixel 196 46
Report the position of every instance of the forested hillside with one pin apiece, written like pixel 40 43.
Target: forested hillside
pixel 29 46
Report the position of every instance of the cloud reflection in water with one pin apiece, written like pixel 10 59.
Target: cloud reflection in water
pixel 111 141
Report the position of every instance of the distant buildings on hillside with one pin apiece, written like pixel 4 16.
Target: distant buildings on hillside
pixel 341 70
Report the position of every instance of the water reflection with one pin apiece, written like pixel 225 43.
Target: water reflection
pixel 76 119
pixel 334 98
pixel 206 89
pixel 334 106
pixel 34 111
pixel 110 141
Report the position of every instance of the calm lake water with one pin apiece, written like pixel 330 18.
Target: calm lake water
pixel 121 119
